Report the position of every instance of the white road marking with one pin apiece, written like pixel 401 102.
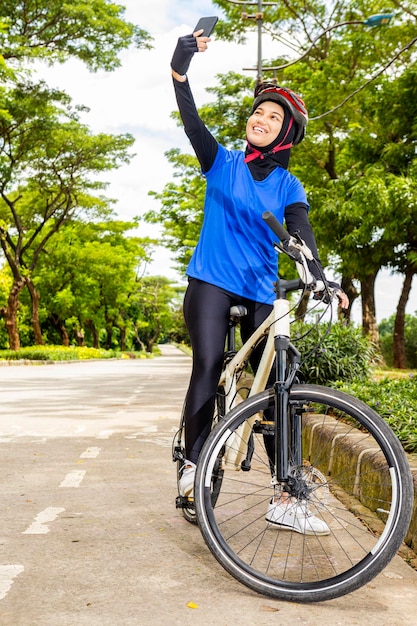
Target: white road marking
pixel 73 479
pixel 7 574
pixel 39 525
pixel 153 428
pixel 132 398
pixel 164 442
pixel 105 434
pixel 90 453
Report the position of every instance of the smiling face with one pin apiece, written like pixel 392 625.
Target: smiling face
pixel 264 124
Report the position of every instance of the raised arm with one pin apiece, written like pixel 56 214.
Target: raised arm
pixel 204 144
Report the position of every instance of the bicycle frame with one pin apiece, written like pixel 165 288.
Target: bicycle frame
pixel 276 329
pixel 332 523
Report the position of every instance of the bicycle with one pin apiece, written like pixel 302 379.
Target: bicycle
pixel 301 447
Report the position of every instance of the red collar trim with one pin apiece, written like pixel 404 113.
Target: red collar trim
pixel 255 153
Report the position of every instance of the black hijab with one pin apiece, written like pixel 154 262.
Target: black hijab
pixel 262 161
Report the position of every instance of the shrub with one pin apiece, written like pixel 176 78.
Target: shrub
pixel 57 353
pixel 338 352
pixel 395 400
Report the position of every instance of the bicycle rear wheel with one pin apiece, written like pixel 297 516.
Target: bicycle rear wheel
pixel 354 476
pixel 178 454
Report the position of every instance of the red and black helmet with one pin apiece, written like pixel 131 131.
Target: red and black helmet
pixel 284 96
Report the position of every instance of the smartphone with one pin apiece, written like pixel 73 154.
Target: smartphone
pixel 208 24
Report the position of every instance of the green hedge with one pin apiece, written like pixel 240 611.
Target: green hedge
pixel 339 352
pixel 395 400
pixel 57 353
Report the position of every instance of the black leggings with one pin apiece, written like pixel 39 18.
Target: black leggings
pixel 206 313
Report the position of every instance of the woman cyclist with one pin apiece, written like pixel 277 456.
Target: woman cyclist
pixel 234 261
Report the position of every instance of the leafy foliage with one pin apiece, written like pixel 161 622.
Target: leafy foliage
pixel 340 352
pixel 395 400
pixel 386 331
pixel 181 210
pixel 94 31
pixel 358 161
pixel 57 353
pixel 50 163
pixel 154 307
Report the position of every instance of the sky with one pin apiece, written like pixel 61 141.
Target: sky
pixel 138 98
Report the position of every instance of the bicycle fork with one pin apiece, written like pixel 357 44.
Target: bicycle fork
pixel 287 420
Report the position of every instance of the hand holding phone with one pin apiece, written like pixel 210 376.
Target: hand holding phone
pixel 187 46
pixel 207 24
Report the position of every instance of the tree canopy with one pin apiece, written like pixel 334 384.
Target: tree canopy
pixel 52 166
pixel 93 31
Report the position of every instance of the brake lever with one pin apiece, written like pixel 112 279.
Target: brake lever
pixel 292 252
pixel 296 241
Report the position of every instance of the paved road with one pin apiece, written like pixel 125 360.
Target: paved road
pixel 89 535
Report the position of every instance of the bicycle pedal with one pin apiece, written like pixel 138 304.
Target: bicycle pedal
pixel 182 502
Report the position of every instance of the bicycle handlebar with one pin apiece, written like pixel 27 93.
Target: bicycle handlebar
pixel 295 249
pixel 275 226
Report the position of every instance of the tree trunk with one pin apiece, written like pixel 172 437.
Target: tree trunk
pixel 79 335
pixel 59 326
pixel 64 335
pixel 94 334
pixel 139 340
pixel 35 298
pixel 399 358
pixel 109 336
pixel 152 340
pixel 302 306
pixel 352 293
pixel 9 313
pixel 122 338
pixel 369 324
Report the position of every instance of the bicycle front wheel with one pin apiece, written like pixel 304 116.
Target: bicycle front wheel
pixel 351 473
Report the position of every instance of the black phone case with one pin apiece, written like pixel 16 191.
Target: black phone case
pixel 208 23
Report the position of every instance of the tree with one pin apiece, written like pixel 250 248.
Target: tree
pixel 47 158
pixel 85 280
pixel 93 31
pixel 154 309
pixel 372 207
pixel 48 169
pixel 391 144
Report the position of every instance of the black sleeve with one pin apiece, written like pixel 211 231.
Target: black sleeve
pixel 296 218
pixel 204 144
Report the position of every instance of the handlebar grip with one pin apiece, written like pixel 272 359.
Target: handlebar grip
pixel 274 225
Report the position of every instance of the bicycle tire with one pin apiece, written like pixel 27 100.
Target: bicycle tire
pixel 362 489
pixel 187 504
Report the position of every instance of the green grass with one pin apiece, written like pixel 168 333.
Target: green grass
pixel 392 394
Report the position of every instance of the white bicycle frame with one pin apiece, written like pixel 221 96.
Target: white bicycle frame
pixel 277 324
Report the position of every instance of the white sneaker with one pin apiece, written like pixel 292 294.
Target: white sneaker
pixel 186 482
pixel 292 514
